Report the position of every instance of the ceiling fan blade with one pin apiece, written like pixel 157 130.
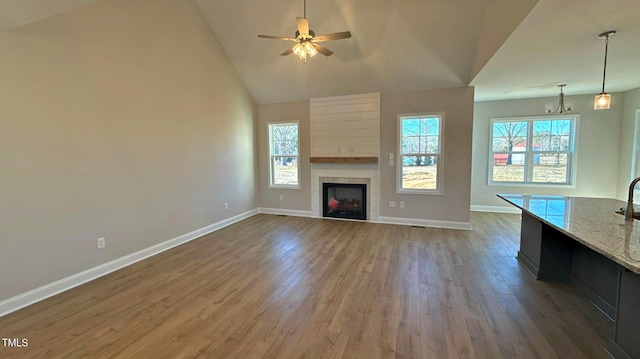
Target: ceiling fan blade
pixel 334 36
pixel 278 38
pixel 323 50
pixel 288 51
pixel 303 27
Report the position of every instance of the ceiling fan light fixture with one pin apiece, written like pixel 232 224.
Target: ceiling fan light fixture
pixel 603 100
pixel 304 49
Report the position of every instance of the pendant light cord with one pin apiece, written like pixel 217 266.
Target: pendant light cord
pixel 305 9
pixel 606 49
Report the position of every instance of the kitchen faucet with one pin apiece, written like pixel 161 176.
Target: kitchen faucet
pixel 628 213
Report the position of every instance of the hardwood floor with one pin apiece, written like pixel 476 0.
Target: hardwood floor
pixel 287 287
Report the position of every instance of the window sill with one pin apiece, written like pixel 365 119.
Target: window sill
pixel 283 187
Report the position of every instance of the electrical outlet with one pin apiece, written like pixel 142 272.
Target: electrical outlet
pixel 226 205
pixel 401 204
pixel 281 197
pixel 101 243
pixel 392 203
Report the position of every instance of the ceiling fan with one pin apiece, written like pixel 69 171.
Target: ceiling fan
pixel 307 43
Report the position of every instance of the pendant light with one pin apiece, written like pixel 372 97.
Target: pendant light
pixel 603 100
pixel 561 109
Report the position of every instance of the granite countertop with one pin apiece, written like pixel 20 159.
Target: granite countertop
pixel 590 221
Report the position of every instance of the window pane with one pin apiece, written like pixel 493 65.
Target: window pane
pixel 284 139
pixel 551 135
pixel 508 167
pixel 420 135
pixel 430 145
pixel 509 136
pixel 550 167
pixel 285 147
pixel 419 172
pixel 285 170
pixel 410 144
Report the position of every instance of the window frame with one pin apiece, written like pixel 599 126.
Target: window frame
pixel 572 153
pixel 270 127
pixel 439 190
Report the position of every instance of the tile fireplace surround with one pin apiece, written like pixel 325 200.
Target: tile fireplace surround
pixel 340 173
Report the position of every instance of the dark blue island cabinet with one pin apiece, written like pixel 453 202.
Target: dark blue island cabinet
pixel 585 242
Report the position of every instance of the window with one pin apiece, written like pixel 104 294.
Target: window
pixel 420 153
pixel 283 155
pixel 533 151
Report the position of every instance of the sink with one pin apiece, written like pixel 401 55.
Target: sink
pixel 636 215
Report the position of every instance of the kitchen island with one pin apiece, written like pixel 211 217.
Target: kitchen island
pixel 583 241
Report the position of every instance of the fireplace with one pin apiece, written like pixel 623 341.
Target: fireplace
pixel 367 174
pixel 344 200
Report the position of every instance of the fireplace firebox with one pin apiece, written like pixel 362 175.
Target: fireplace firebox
pixel 344 200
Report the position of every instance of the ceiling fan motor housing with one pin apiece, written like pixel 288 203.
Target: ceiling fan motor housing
pixel 311 33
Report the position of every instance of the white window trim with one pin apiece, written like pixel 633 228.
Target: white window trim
pixel 270 159
pixel 573 163
pixel 440 166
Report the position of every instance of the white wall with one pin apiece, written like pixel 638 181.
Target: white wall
pixel 630 105
pixel 598 144
pixel 121 119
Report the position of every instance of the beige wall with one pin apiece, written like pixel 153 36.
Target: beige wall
pixel 293 199
pixel 124 120
pixel 630 105
pixel 597 148
pixel 453 205
pixel 457 103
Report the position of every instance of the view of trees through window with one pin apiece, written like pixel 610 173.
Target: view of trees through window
pixel 419 152
pixel 283 143
pixel 532 150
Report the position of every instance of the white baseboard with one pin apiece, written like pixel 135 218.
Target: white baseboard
pixel 285 212
pixel 426 223
pixel 33 296
pixel 495 209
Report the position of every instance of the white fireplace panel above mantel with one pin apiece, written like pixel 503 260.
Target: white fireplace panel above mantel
pixel 345 126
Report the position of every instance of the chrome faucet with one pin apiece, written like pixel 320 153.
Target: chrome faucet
pixel 628 213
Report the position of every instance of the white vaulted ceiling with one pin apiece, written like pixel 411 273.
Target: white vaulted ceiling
pixel 505 48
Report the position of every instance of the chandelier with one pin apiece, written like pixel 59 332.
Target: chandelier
pixel 561 108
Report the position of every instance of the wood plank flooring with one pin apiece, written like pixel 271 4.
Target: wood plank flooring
pixel 287 287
